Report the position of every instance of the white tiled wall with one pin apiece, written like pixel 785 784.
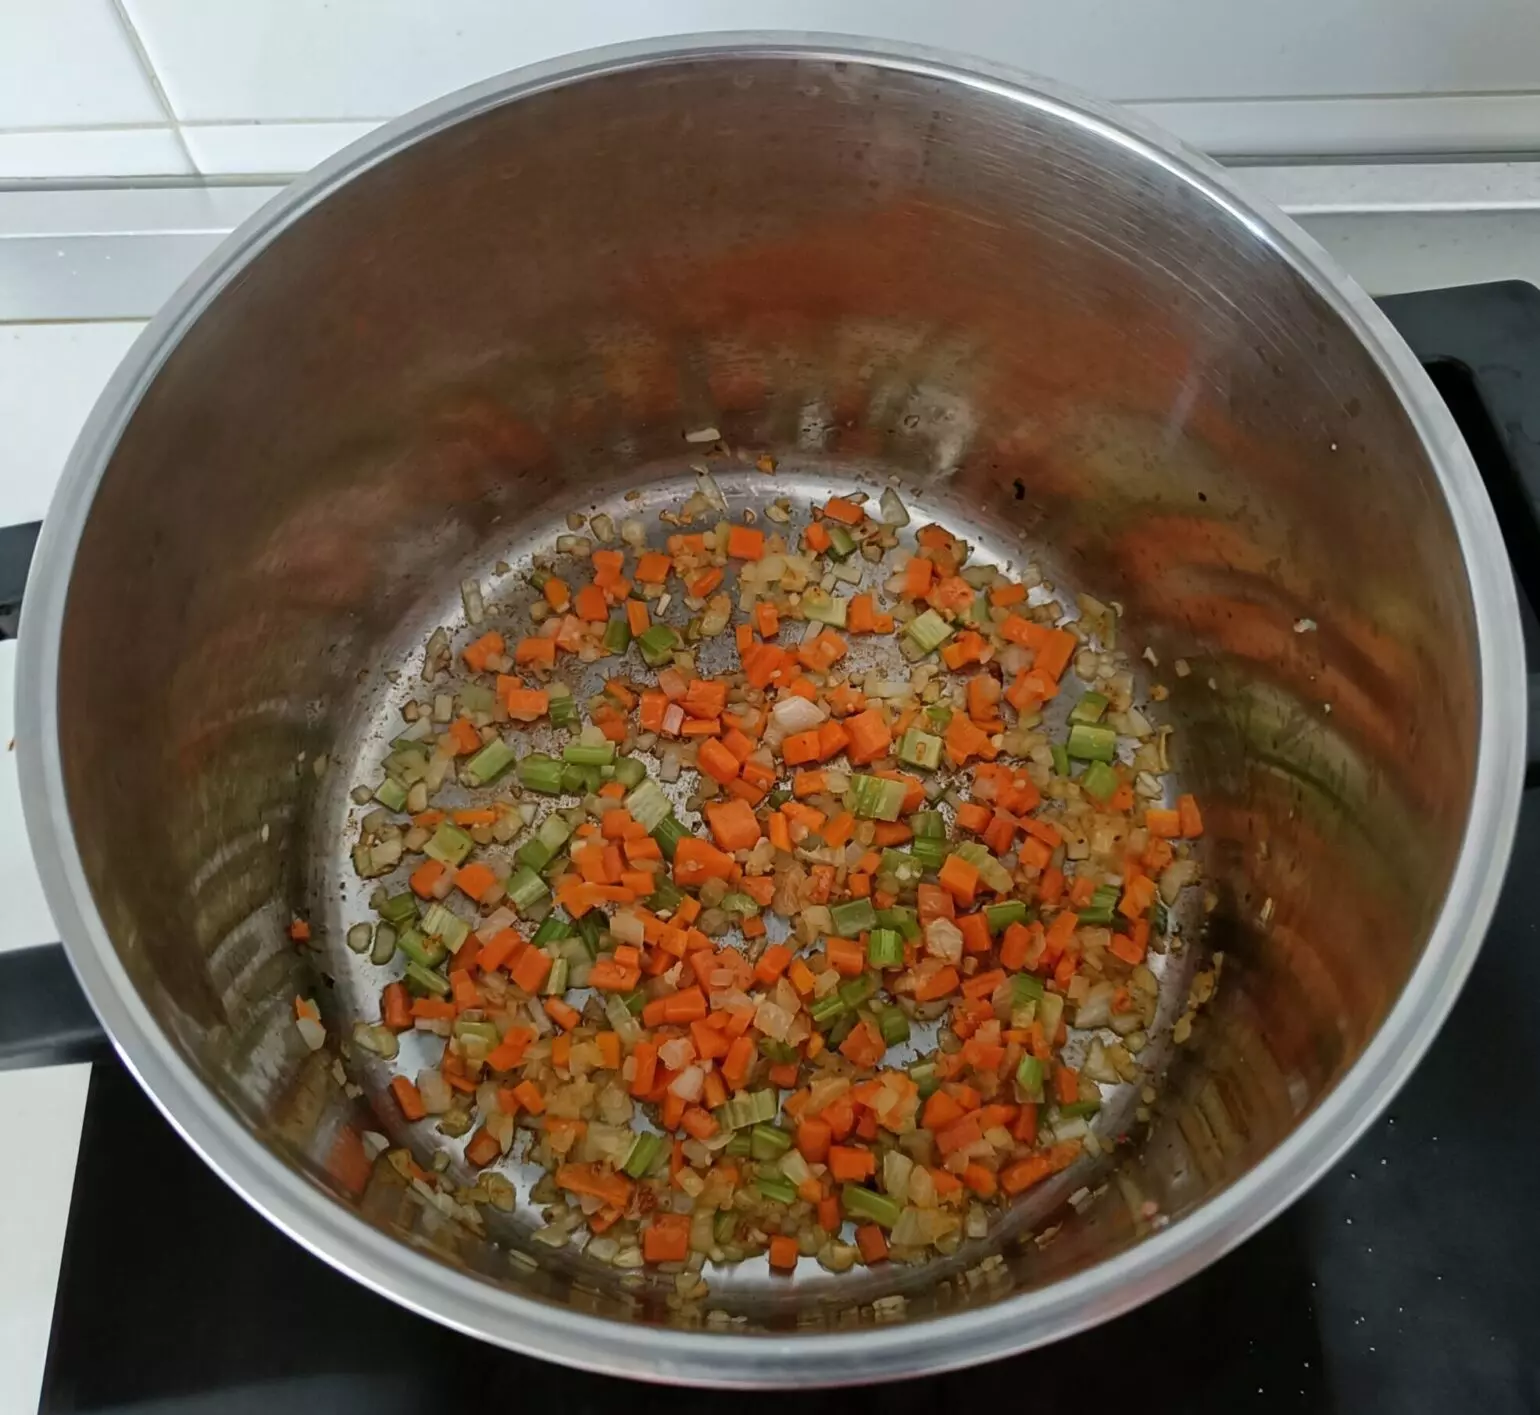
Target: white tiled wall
pixel 119 87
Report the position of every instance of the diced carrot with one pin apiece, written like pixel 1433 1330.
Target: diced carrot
pixel 396 1007
pixel 746 543
pixel 475 880
pixel 463 736
pixel 527 704
pixel 704 583
pixel 938 984
pixel 591 605
pixel 850 1165
pixel 425 877
pixel 489 646
pixel 833 738
pixel 767 619
pixel 408 1097
pixel 845 956
pixel 1190 816
pixel 872 1244
pixel 870 737
pixel 733 825
pixel 535 652
pixel 529 969
pixel 917 577
pixel 652 568
pixel 934 903
pixel 696 861
pixel 800 748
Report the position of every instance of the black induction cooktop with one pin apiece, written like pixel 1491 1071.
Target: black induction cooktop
pixel 1407 1280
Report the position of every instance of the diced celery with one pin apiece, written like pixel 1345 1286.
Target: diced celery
pixel 1099 912
pixel 740 904
pixel 477 697
pixel 1090 708
pixel 1029 1078
pixel 564 708
pixel 443 923
pixel 876 1208
pixel 427 979
pixel 931 854
pixel 630 772
pixel 658 644
pixel 854 991
pixel 556 979
pixel 391 794
pixel 490 762
pixel 585 754
pixel 668 834
pixel 425 951
pixel 644 1151
pixel 1050 1012
pixel 384 948
pixel 1060 758
pixel 1088 743
pixel 841 543
pixel 1076 1110
pixel 939 715
pixel 928 825
pixel 400 908
pixel 1099 781
pixel 538 772
pixel 526 890
pixel 665 897
pixel 768 1142
pixel 617 635
pixel 900 917
pixel 853 916
pixel 885 948
pixel 449 845
pixel 773 1186
pixel 874 797
pixel 736 1148
pixel 648 805
pixel 1026 988
pixel 824 608
pixel 590 929
pixel 579 780
pixel 1001 916
pixel 827 1010
pixel 923 1074
pixel 901 865
pixel 552 929
pixel 894 1026
pixel 928 631
pixel 779 1053
pixel 920 749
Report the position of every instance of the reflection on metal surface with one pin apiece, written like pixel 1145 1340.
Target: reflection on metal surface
pixel 1064 334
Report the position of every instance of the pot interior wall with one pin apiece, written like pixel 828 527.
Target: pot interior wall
pixel 849 266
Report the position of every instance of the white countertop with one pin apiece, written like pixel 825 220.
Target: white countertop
pixel 80 272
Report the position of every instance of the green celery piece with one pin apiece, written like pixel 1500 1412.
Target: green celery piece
pixel 827 1010
pixel 552 929
pixel 852 917
pixel 737 1148
pixel 1001 916
pixel 443 923
pixel 841 543
pixel 1090 708
pixel 991 871
pixel 876 1208
pixel 1075 1110
pixel 928 825
pixel 903 866
pixel 885 948
pixel 920 749
pixel 579 780
pixel 564 709
pixel 556 979
pixel 902 918
pixel 644 1151
pixel 399 908
pixel 657 644
pixel 1026 988
pixel 1099 781
pixel 427 979
pixel 844 1024
pixel 894 1026
pixel 668 835
pixel 391 794
pixel 779 1053
pixel 617 636
pixel 773 1186
pixel 931 854
pixel 490 762
pixel 856 990
pixel 875 797
pixel 666 897
pixel 648 805
pixel 1029 1077
pixel 589 929
pixel 928 631
pixel 449 845
pixel 923 1074
pixel 824 608
pixel 538 772
pixel 940 714
pixel 526 890
pixel 630 772
pixel 1060 758
pixel 740 904
pixel 1089 743
pixel 428 953
pixel 581 754
pixel 768 1142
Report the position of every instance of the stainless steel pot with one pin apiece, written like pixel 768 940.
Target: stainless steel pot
pixel 1060 330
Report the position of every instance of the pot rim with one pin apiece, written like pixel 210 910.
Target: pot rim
pixel 1016 1323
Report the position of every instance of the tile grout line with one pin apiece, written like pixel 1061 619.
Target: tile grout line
pixel 131 33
